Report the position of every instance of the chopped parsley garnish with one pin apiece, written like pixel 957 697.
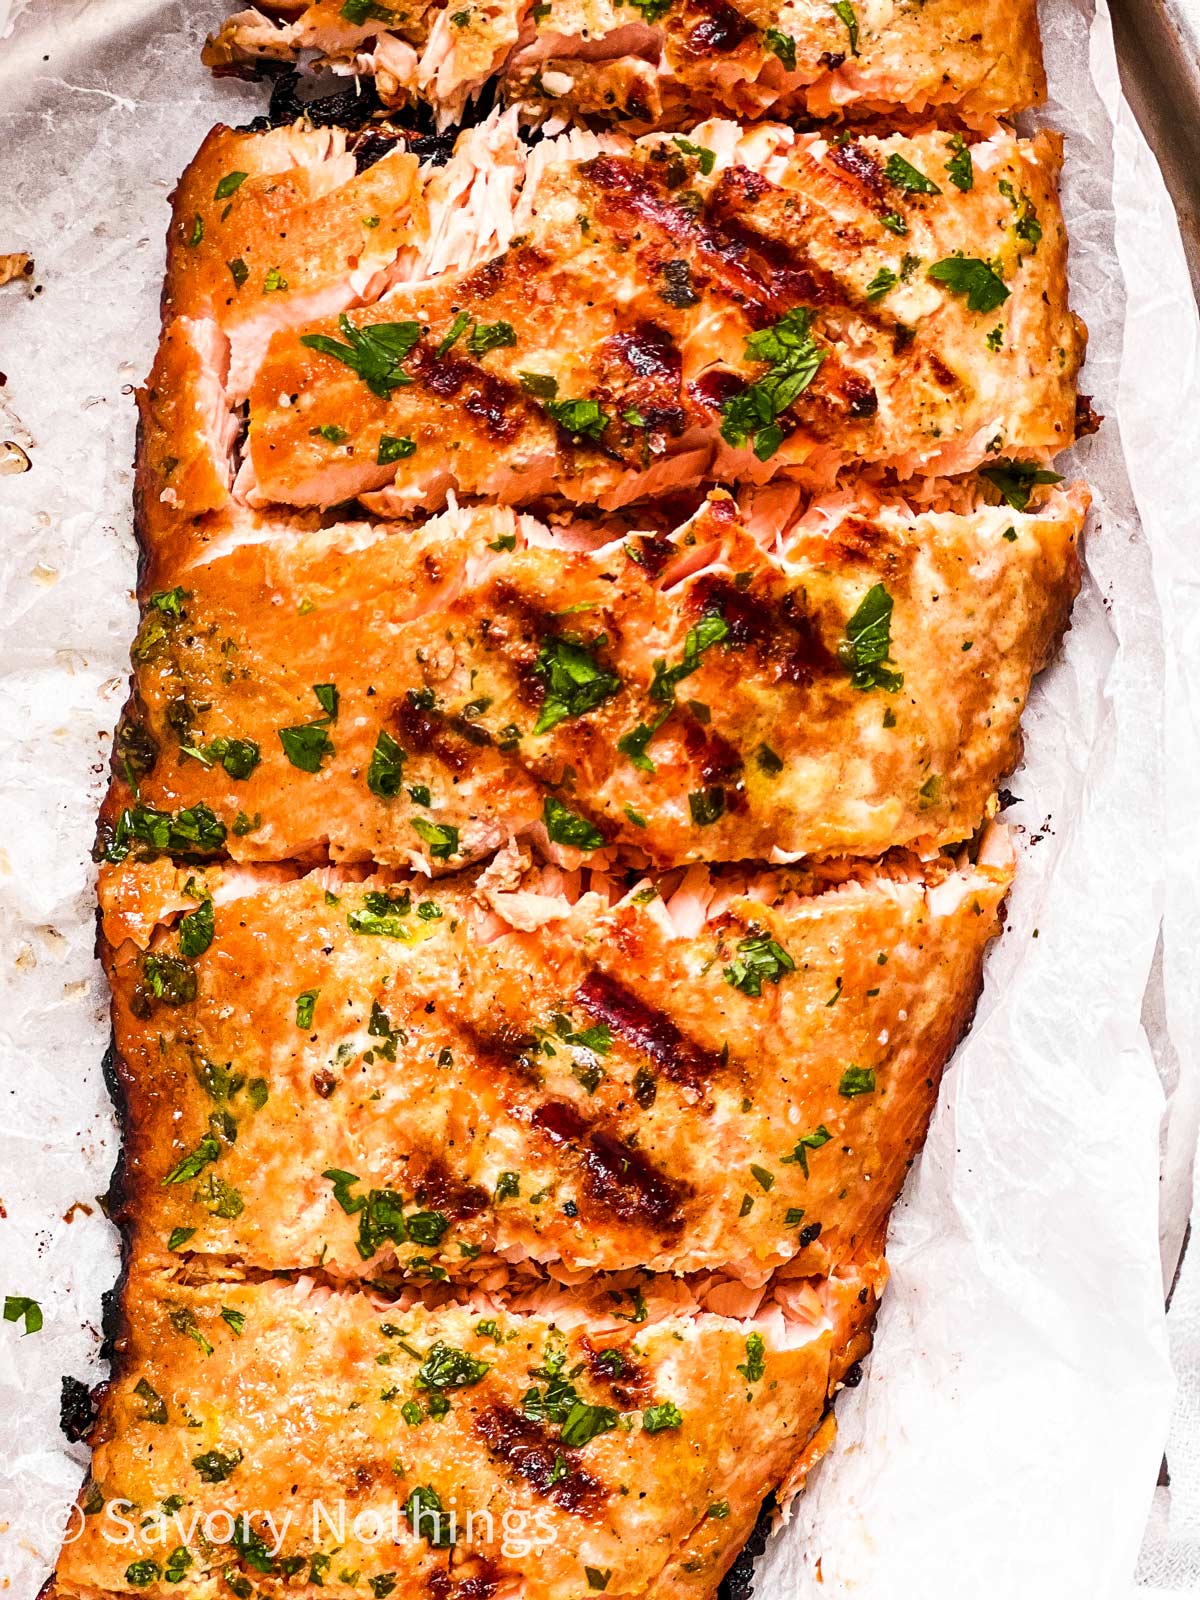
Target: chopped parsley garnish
pixel 883 281
pixel 1016 480
pixel 807 1142
pixel 171 981
pixel 215 1467
pixel 767 761
pixel 705 158
pixel 568 827
pixel 657 1419
pixel 274 282
pixel 652 10
pixel 360 11
pixel 856 1081
pixel 981 284
pixel 440 837
pixel 140 1574
pixel 195 831
pixel 385 771
pixel 194 1163
pixel 1026 227
pixel 394 447
pixel 154 1404
pixel 760 959
pixel 178 1237
pixel 781 45
pixel 456 330
pixel 306 1005
pixel 575 684
pixel 907 177
pixel 239 757
pixel 597 1577
pixel 845 11
pixel 794 360
pixel 196 930
pixel 306 746
pixel 582 419
pixel 19 1307
pixel 707 805
pixel 375 353
pixel 427 1518
pixel 508 1184
pixel 755 1363
pixel 197 233
pixel 238 271
pixel 382 915
pixel 634 743
pixel 184 1322
pixel 865 651
pixel 710 630
pixel 234 1319
pixel 447 1368
pixel 487 336
pixel 178 1563
pixel 585 1422
pixel 763 1176
pixel 960 169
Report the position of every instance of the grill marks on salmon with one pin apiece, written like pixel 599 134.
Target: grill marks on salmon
pixel 633 294
pixel 232 1399
pixel 718 692
pixel 521 1066
pixel 655 63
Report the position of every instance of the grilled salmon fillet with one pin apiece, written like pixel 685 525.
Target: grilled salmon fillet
pixel 604 320
pixel 626 1436
pixel 650 62
pixel 792 309
pixel 769 680
pixel 712 1070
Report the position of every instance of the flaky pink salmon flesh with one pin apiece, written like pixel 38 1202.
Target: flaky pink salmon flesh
pixel 649 63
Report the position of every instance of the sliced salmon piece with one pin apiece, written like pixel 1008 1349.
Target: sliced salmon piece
pixel 275 228
pixel 562 1441
pixel 694 694
pixel 657 62
pixel 717 1071
pixel 794 309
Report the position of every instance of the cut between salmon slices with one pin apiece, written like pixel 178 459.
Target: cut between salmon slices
pixel 717 1070
pixel 651 62
pixel 627 1436
pixel 643 315
pixel 773 679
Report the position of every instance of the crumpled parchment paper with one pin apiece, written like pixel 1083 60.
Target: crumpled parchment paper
pixel 1008 1436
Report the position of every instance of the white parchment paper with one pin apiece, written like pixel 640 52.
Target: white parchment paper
pixel 1008 1437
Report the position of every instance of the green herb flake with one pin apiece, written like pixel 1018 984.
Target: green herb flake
pixel 1016 480
pixel 19 1307
pixel 385 771
pixel 238 271
pixel 856 1081
pixel 306 746
pixel 705 158
pixel 847 15
pixel 960 169
pixel 755 1364
pixel 794 359
pixel 807 1142
pixel 657 1419
pixel 375 353
pixel 440 838
pixel 568 827
pixel 487 336
pixel 306 1005
pixel 760 959
pixel 575 683
pixel 979 282
pixel 865 651
pixel 907 177
pixel 782 45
